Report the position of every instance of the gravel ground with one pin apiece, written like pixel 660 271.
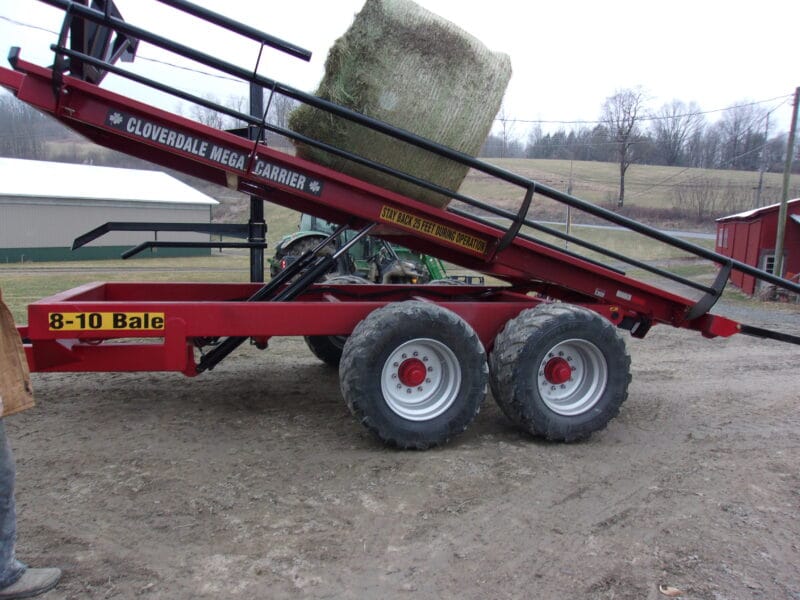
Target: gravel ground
pixel 255 482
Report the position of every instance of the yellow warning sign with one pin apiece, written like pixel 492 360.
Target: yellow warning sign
pixel 105 321
pixel 437 230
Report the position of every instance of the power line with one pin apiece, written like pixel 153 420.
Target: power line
pixel 28 25
pixel 785 98
pixel 697 177
pixel 651 117
pixel 729 162
pixel 190 69
pixel 139 56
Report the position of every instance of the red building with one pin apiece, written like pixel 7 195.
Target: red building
pixel 750 236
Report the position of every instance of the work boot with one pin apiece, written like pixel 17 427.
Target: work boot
pixel 32 583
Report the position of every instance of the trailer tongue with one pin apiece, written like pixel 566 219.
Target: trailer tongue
pixel 412 359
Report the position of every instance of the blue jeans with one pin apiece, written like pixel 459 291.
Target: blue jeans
pixel 10 568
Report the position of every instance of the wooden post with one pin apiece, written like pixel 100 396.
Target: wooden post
pixel 787 171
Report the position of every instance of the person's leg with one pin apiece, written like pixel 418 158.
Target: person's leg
pixel 10 568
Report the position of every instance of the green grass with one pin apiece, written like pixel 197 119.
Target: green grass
pixel 622 242
pixel 23 284
pixel 646 186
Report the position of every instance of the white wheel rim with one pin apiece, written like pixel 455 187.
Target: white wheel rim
pixel 572 377
pixel 420 379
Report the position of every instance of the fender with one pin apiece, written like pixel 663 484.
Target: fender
pixel 288 240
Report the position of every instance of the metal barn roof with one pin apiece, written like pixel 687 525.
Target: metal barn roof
pixel 41 179
pixel 756 211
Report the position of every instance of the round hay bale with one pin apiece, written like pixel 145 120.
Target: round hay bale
pixel 404 65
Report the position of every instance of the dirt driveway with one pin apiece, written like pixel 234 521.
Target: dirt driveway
pixel 255 482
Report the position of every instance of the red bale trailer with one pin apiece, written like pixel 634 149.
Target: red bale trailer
pixel 414 361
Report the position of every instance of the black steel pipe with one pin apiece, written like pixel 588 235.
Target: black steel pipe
pixel 231 229
pixel 152 244
pixel 530 238
pixel 589 246
pixel 269 292
pixel 240 28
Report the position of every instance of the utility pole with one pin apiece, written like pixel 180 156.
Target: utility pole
pixel 763 165
pixel 787 171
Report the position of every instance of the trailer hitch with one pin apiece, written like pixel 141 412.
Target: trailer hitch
pixel 769 334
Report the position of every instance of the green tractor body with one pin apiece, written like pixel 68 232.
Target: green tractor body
pixel 372 259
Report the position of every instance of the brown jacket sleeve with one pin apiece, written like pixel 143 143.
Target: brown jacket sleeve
pixel 16 393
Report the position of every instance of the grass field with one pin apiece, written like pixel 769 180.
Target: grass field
pixel 23 284
pixel 646 185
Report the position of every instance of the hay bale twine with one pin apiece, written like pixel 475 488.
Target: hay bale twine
pixel 413 69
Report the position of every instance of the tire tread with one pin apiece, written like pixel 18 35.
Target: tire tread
pixel 504 366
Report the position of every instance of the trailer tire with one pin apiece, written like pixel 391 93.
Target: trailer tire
pixel 414 374
pixel 328 348
pixel 560 371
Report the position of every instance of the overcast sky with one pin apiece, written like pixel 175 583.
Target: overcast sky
pixel 567 55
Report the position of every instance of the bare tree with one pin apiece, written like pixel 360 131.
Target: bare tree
pixel 507 125
pixel 698 199
pixel 742 139
pixel 22 129
pixel 216 119
pixel 621 115
pixel 674 124
pixel 280 107
pixel 207 116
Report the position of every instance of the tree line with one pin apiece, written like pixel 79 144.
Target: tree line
pixel 23 130
pixel 677 134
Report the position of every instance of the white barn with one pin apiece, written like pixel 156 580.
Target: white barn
pixel 44 206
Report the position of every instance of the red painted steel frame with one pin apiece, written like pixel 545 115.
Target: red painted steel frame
pixel 207 310
pixel 202 310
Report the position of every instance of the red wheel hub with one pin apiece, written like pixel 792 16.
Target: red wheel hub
pixel 557 371
pixel 412 372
